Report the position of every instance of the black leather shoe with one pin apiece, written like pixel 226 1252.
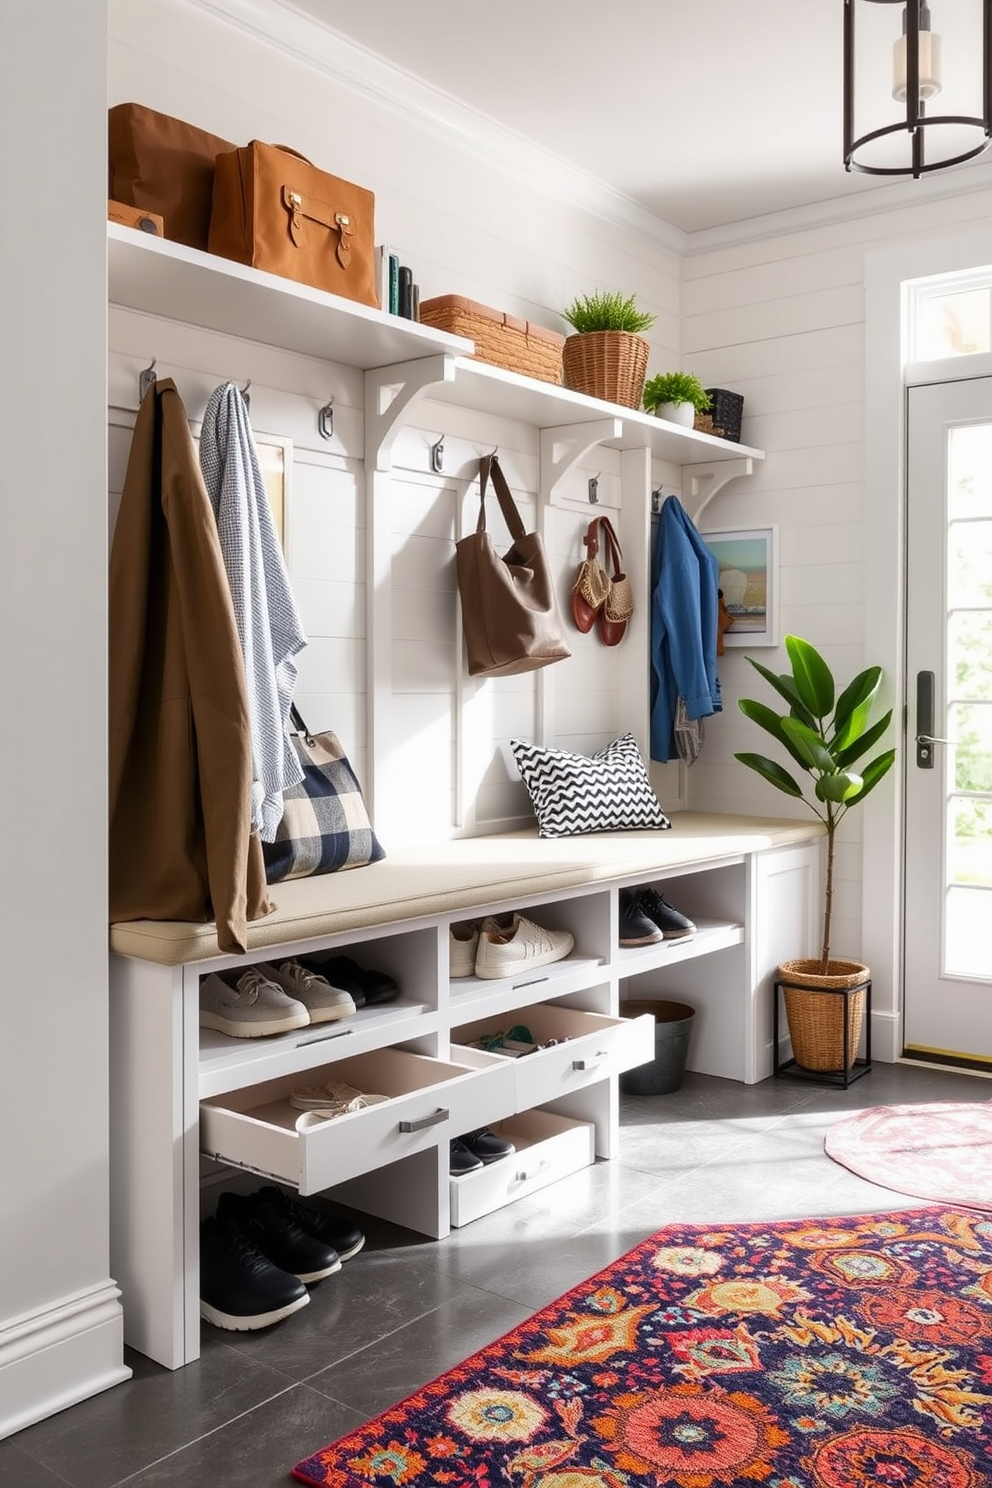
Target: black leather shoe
pixel 336 1230
pixel 374 986
pixel 279 1237
pixel 461 1160
pixel 240 1289
pixel 636 928
pixel 487 1146
pixel 670 921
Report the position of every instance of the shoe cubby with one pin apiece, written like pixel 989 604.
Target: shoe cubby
pixel 547 1147
pixel 715 901
pixel 410 959
pixel 257 1128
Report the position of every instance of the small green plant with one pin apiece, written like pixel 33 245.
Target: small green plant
pixel 607 310
pixel 825 735
pixel 675 387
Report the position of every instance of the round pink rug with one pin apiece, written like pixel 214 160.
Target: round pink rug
pixel 941 1152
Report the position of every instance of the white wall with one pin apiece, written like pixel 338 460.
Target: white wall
pixel 781 318
pixel 60 1325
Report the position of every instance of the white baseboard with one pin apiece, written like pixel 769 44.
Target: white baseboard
pixel 886 1037
pixel 60 1354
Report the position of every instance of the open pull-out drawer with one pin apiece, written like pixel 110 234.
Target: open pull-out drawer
pixel 547 1147
pixel 570 1048
pixel 257 1128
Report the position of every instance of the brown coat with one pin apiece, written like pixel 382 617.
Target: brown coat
pixel 181 847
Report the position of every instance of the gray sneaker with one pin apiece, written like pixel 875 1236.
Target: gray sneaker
pixel 246 1004
pixel 322 1001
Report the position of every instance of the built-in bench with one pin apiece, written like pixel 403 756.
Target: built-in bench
pixel 751 885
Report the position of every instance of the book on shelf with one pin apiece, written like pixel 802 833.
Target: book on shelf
pixel 394 284
pixel 406 291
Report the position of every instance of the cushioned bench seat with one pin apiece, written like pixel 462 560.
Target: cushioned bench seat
pixel 457 877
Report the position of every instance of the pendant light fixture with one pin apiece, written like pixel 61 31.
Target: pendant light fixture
pixel 917 85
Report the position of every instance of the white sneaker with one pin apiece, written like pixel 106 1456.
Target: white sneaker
pixel 247 1004
pixel 508 948
pixel 336 1098
pixel 463 942
pixel 323 1002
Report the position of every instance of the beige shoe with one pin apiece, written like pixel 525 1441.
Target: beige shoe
pixel 322 1001
pixel 463 942
pixel 336 1098
pixel 507 947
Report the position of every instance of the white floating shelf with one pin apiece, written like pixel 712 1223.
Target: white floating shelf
pixel 494 390
pixel 167 279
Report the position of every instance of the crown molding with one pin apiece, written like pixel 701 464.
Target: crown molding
pixel 963 181
pixel 280 25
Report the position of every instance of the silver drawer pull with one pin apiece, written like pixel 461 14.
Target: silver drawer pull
pixel 526 1173
pixel 588 1064
pixel 423 1122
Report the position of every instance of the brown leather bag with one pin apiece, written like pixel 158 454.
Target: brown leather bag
pixel 165 166
pixel 509 611
pixel 276 211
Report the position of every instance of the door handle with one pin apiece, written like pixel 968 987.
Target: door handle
pixel 924 720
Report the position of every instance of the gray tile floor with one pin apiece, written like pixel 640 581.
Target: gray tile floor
pixel 406 1309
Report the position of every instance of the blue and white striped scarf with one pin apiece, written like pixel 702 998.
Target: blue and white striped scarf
pixel 269 627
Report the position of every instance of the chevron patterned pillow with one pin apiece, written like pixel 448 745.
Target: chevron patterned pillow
pixel 575 793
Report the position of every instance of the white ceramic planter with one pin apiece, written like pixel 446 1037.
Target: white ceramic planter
pixel 677 413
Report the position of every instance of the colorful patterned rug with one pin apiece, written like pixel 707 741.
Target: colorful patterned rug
pixel 838 1353
pixel 941 1152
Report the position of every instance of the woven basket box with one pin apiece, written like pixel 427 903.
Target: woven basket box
pixel 500 339
pixel 727 412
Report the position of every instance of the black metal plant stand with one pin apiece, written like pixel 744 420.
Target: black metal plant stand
pixel 853 1070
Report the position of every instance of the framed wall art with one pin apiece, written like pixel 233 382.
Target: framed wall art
pixel 748 578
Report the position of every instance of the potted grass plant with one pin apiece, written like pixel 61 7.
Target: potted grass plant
pixel 676 396
pixel 606 357
pixel 826 733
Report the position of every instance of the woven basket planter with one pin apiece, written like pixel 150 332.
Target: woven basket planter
pixel 816 1014
pixel 610 365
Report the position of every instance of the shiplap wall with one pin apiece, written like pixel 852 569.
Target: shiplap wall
pixel 782 320
pixel 467 226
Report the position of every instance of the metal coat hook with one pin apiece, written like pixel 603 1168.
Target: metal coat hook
pixel 656 501
pixel 146 380
pixel 325 420
pixel 244 393
pixel 437 455
pixel 594 488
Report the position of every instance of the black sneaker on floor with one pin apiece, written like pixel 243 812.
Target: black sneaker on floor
pixel 336 1230
pixel 636 927
pixel 240 1289
pixel 670 921
pixel 278 1236
pixel 486 1145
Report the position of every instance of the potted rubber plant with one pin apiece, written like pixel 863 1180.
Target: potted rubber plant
pixel 606 357
pixel 676 396
pixel 826 733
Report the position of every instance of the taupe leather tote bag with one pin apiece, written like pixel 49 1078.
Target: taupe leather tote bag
pixel 509 611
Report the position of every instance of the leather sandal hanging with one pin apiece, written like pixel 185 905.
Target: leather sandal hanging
pixel 592 584
pixel 619 604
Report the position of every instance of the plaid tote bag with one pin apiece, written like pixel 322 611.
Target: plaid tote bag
pixel 325 825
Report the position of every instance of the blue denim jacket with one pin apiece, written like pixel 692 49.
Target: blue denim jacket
pixel 684 604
